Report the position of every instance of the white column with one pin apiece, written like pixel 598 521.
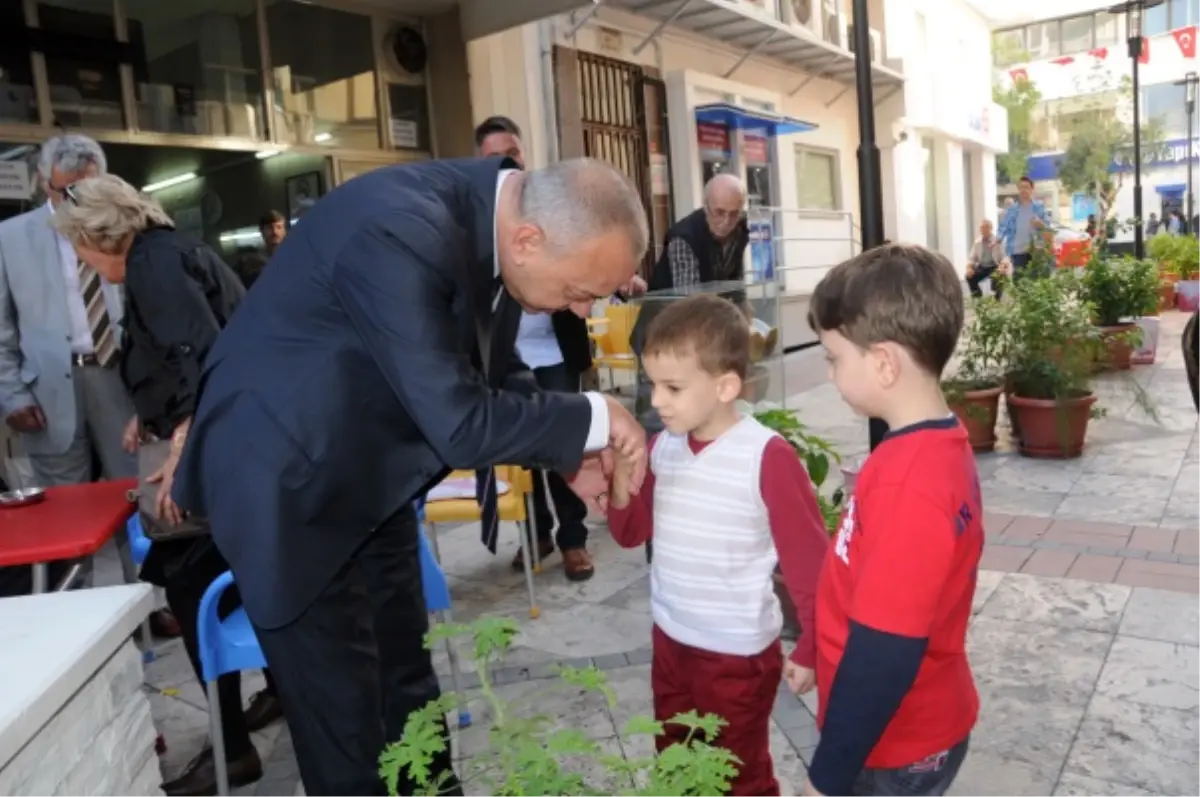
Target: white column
pixel 904 192
pixel 505 79
pixel 951 196
pixel 986 181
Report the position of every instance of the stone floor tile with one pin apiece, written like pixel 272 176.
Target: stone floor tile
pixel 587 630
pixel 1018 501
pixel 790 769
pixel 1061 603
pixel 1073 785
pixel 1025 527
pixel 1004 558
pixel 1049 563
pixel 1038 476
pixel 1095 528
pixel 1147 747
pixel 1124 485
pixel 635 596
pixel 1102 569
pixel 986 582
pixel 1111 509
pixel 1159 614
pixel 1154 462
pixel 1035 663
pixel 985 774
pixel 632 688
pixel 184 728
pixel 1149 538
pixel 1161 575
pixel 1027 731
pixel 1153 673
pixel 1187 541
pixel 995 523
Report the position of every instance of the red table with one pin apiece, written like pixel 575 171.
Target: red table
pixel 73 522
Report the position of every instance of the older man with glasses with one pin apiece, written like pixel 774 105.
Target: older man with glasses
pixel 708 244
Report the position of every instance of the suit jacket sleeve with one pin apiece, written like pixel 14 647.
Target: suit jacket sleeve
pixel 14 393
pixel 400 302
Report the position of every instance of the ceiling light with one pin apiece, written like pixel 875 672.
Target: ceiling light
pixel 170 181
pixel 321 138
pixel 267 153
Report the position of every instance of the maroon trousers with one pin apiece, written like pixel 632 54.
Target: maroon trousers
pixel 739 689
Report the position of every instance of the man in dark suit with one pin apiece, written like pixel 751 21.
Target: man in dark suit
pixel 377 355
pixel 558 350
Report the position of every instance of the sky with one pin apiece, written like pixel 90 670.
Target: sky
pixel 1002 13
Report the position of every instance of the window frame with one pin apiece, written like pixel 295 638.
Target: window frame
pixel 800 151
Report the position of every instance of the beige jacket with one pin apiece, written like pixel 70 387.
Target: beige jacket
pixel 997 251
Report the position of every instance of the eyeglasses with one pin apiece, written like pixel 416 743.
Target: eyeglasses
pixel 726 215
pixel 69 192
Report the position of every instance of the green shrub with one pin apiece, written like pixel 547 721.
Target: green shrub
pixel 816 453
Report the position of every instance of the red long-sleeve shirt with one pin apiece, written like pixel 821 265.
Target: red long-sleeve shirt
pixel 796 523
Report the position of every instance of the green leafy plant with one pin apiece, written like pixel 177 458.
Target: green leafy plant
pixel 1020 100
pixel 816 453
pixel 1119 289
pixel 982 356
pixel 1054 345
pixel 1177 255
pixel 525 753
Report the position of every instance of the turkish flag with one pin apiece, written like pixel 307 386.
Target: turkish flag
pixel 1186 39
pixel 1063 61
pixel 1099 52
pixel 1144 58
pixel 1018 75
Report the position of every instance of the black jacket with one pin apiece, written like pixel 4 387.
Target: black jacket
pixel 178 296
pixel 693 229
pixel 349 381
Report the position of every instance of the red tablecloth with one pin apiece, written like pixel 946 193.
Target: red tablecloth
pixel 72 522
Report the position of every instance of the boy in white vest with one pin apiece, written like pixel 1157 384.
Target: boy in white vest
pixel 725 499
pixel 897 698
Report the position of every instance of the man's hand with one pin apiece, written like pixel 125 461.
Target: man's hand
pixel 27 419
pixel 970 271
pixel 129 440
pixel 635 287
pixel 591 481
pixel 168 510
pixel 800 680
pixel 628 439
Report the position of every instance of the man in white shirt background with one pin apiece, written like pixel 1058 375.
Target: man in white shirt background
pixel 556 347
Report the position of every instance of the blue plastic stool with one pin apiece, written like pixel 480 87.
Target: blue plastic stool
pixel 226 646
pixel 139 549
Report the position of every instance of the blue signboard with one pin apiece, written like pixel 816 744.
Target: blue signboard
pixel 762 250
pixel 1172 153
pixel 1082 206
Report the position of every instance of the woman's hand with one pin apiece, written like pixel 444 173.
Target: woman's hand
pixel 168 511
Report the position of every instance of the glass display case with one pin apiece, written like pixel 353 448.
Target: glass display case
pixel 759 300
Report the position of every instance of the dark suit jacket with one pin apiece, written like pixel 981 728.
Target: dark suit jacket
pixel 572 335
pixel 349 382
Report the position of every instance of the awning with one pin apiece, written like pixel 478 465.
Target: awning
pixel 758 33
pixel 481 18
pixel 735 118
pixel 1172 190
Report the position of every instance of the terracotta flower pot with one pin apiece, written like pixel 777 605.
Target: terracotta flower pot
pixel 976 411
pixel 1118 351
pixel 1166 294
pixel 1052 429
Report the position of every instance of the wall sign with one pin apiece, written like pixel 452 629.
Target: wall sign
pixel 713 140
pixel 14 180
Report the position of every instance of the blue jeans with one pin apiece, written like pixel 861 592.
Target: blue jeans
pixel 930 776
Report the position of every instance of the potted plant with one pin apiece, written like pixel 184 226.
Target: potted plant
pixel 1050 358
pixel 1162 250
pixel 532 753
pixel 1120 290
pixel 973 392
pixel 818 456
pixel 1187 256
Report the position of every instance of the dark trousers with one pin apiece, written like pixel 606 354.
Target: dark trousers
pixel 560 500
pixel 351 668
pixel 983 273
pixel 183 597
pixel 932 775
pixel 1019 262
pixel 740 689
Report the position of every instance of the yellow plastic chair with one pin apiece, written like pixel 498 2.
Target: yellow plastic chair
pixel 514 506
pixel 611 335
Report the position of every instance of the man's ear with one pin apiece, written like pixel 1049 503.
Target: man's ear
pixel 528 238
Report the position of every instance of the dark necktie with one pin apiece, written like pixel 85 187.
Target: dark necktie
pixel 486 492
pixel 104 338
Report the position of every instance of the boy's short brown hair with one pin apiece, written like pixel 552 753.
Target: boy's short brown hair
pixel 712 329
pixel 894 293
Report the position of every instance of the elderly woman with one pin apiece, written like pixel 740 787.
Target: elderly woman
pixel 178 295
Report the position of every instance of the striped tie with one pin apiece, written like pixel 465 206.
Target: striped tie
pixel 104 339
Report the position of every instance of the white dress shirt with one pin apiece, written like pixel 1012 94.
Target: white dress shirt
pixel 597 438
pixel 81 332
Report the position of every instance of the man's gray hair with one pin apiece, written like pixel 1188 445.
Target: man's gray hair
pixel 576 200
pixel 71 154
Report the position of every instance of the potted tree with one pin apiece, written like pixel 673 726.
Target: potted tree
pixel 1050 360
pixel 1120 290
pixel 973 392
pixel 1162 250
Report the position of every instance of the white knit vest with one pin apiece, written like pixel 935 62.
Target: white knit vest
pixel 710 578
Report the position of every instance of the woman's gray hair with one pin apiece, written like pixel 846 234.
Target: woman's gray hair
pixel 101 212
pixel 71 154
pixel 575 200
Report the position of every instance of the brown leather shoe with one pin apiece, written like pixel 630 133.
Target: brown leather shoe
pixel 200 775
pixel 545 548
pixel 578 564
pixel 163 624
pixel 264 709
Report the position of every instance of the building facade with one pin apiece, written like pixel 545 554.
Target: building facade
pixel 1081 67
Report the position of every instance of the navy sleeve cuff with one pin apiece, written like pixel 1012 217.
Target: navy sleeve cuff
pixel 876 672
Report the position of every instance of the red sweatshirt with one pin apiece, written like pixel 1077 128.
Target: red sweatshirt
pixel 796 526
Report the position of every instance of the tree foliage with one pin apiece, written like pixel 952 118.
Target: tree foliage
pixel 1020 100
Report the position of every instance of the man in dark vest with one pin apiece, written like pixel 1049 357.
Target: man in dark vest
pixel 707 245
pixel 557 349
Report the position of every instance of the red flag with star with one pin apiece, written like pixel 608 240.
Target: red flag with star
pixel 1186 39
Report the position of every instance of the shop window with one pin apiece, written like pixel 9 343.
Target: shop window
pixel 325 90
pixel 1077 34
pixel 18 103
pixel 196 67
pixel 1110 30
pixel 1042 40
pixel 1164 103
pixel 818 181
pixel 1008 47
pixel 83 64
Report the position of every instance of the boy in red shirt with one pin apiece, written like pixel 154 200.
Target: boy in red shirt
pixel 726 499
pixel 897 698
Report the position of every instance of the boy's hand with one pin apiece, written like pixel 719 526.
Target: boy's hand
pixel 799 679
pixel 622 481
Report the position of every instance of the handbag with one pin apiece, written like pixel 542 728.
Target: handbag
pixel 151 457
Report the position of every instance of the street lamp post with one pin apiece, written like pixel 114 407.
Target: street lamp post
pixel 870 200
pixel 1133 11
pixel 1189 83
